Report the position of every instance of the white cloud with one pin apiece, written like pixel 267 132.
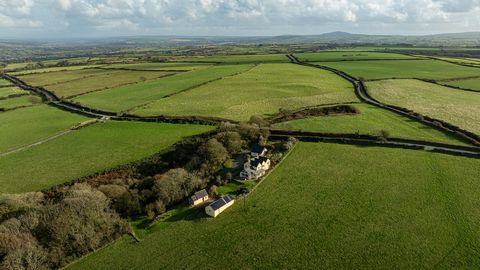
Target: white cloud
pixel 245 16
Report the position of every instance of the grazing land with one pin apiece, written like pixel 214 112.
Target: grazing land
pixel 86 151
pixel 17 102
pixel 236 59
pixel 371 120
pixel 472 84
pixel 460 108
pixel 29 125
pixel 52 78
pixel 262 90
pixel 420 69
pixel 334 56
pixel 4 82
pixel 337 206
pixel 7 91
pixel 129 96
pixel 159 66
pixel 52 69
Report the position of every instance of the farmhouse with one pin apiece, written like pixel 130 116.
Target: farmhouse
pixel 198 198
pixel 258 151
pixel 218 206
pixel 255 168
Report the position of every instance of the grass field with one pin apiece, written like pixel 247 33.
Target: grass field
pixel 237 59
pixel 160 66
pixel 127 97
pixel 473 84
pixel 4 82
pixel 420 69
pixel 460 108
pixel 371 120
pixel 261 91
pixel 52 69
pixel 6 91
pixel 22 101
pixel 52 78
pixel 29 125
pixel 330 56
pixel 86 151
pixel 328 206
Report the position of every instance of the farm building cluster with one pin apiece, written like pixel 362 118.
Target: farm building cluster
pixel 214 208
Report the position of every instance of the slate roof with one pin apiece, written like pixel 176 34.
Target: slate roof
pixel 221 202
pixel 257 149
pixel 199 194
pixel 254 162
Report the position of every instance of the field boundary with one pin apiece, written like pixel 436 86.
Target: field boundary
pixel 362 94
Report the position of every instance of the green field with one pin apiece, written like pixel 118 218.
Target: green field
pixel 330 56
pixel 237 59
pixel 371 120
pixel 86 151
pixel 420 69
pixel 472 84
pixel 7 91
pixel 52 69
pixel 127 97
pixel 52 78
pixel 261 91
pixel 4 82
pixel 29 125
pixel 460 108
pixel 160 66
pixel 22 101
pixel 328 206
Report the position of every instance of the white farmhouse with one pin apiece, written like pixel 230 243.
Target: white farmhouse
pixel 214 209
pixel 255 168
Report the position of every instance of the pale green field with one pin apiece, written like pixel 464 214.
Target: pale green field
pixel 420 69
pixel 51 78
pixel 86 151
pixel 261 91
pixel 160 66
pixel 6 91
pixel 346 55
pixel 52 69
pixel 29 125
pixel 237 59
pixel 460 108
pixel 22 101
pixel 371 120
pixel 327 206
pixel 473 84
pixel 127 97
pixel 4 82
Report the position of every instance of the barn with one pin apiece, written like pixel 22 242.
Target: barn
pixel 218 206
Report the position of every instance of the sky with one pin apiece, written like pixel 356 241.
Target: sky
pixel 104 18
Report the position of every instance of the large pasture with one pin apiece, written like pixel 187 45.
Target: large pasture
pixel 334 56
pixel 328 206
pixel 371 120
pixel 472 84
pixel 420 69
pixel 86 151
pixel 457 107
pixel 262 90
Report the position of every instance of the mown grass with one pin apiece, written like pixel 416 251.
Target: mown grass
pixel 329 206
pixel 371 120
pixel 261 91
pixel 473 84
pixel 29 125
pixel 7 91
pixel 460 108
pixel 22 101
pixel 86 151
pixel 127 97
pixel 52 78
pixel 237 59
pixel 420 69
pixel 345 56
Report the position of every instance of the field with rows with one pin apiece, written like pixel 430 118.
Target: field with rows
pixel 262 90
pixel 86 151
pixel 460 108
pixel 337 206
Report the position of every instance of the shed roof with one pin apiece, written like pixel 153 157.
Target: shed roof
pixel 221 202
pixel 199 194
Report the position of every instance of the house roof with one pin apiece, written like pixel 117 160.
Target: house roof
pixel 257 149
pixel 199 194
pixel 221 202
pixel 254 162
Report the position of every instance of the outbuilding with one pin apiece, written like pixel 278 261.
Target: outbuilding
pixel 214 209
pixel 258 151
pixel 199 197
